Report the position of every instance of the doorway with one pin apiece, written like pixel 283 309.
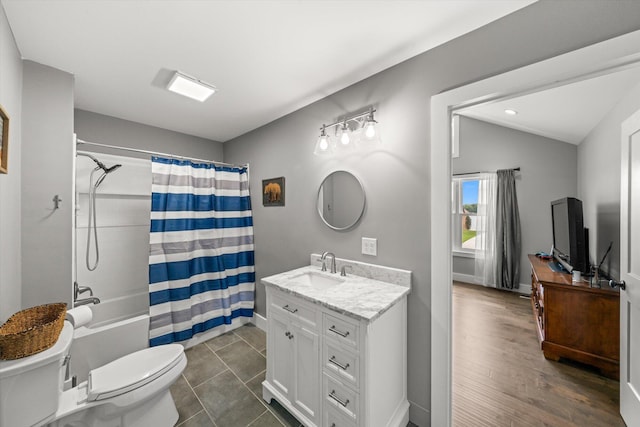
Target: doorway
pixel 585 63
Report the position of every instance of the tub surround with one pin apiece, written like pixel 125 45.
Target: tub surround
pixel 358 297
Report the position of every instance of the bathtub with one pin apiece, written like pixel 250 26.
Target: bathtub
pixel 117 329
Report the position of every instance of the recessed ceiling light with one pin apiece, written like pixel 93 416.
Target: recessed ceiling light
pixel 190 87
pixel 510 112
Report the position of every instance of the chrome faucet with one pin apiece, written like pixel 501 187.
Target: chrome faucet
pixel 77 290
pixel 333 261
pixel 83 301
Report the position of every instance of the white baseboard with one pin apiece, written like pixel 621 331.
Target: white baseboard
pixel 260 321
pixel 466 278
pixel 212 333
pixel 418 415
pixel 522 288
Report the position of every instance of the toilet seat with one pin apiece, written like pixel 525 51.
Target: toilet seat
pixel 132 371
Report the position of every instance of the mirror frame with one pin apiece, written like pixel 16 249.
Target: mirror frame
pixel 364 202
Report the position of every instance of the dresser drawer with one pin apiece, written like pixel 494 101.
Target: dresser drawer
pixel 341 330
pixel 296 309
pixel 340 398
pixel 341 363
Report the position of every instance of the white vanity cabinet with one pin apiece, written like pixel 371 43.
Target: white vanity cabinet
pixel 336 369
pixel 293 354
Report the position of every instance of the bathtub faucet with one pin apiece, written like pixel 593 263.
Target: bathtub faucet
pixel 77 290
pixel 83 301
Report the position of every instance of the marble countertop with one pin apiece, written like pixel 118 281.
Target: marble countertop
pixel 358 297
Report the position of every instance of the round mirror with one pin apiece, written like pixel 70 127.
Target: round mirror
pixel 341 200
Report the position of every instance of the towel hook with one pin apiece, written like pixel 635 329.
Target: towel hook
pixel 56 202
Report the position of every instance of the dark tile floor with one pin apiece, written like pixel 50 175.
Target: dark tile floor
pixel 222 384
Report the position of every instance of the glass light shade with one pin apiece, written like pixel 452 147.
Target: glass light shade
pixel 370 132
pixel 344 136
pixel 324 145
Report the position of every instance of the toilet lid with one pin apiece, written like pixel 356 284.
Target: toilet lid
pixel 132 371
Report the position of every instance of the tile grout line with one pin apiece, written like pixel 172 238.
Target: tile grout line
pixel 267 406
pixel 196 394
pixel 258 398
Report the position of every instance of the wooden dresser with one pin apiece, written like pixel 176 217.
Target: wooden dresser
pixel 575 321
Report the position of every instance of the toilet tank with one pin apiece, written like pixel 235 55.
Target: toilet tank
pixel 30 387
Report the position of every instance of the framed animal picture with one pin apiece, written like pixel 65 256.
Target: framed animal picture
pixel 273 192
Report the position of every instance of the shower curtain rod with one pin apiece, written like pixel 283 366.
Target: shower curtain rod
pixel 155 153
pixel 475 173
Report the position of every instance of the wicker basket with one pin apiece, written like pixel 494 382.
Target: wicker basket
pixel 31 331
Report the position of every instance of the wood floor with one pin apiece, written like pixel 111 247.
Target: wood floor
pixel 501 378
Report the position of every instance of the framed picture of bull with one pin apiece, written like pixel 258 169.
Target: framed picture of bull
pixel 273 192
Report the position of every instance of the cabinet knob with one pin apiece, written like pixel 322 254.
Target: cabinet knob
pixel 621 284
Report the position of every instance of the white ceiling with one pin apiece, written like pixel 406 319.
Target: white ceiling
pixel 267 57
pixel 566 113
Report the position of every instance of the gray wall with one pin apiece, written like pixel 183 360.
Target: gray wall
pixel 47 165
pixel 10 196
pixel 548 171
pixel 109 130
pixel 599 158
pixel 395 175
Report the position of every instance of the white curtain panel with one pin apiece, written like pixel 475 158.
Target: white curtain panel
pixel 486 230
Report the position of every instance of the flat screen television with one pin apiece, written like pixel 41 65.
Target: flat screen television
pixel 570 240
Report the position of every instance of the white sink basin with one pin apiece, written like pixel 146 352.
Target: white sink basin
pixel 316 280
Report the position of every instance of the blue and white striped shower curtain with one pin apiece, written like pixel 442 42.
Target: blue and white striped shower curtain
pixel 201 255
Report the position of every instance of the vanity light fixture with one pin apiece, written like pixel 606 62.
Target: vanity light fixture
pixel 510 112
pixel 366 130
pixel 190 87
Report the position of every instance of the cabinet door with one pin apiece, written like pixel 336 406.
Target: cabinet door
pixel 280 353
pixel 306 374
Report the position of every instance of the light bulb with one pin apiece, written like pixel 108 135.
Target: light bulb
pixel 324 144
pixel 370 130
pixel 344 138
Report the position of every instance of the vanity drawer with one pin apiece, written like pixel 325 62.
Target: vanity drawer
pixel 340 398
pixel 294 308
pixel 341 363
pixel 341 330
pixel 332 418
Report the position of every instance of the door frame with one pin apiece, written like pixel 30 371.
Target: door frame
pixel 598 59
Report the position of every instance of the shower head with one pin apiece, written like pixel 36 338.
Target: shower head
pixel 100 164
pixel 111 169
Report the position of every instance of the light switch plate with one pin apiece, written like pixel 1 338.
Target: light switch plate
pixel 369 246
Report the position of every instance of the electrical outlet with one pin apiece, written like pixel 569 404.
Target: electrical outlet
pixel 369 246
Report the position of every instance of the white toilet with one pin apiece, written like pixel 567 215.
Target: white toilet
pixel 132 391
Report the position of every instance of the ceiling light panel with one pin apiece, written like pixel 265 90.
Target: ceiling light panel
pixel 190 87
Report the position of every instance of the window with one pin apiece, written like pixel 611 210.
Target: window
pixel 464 198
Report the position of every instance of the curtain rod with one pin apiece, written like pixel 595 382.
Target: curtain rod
pixel 475 173
pixel 155 153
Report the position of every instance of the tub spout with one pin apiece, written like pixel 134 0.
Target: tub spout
pixel 83 301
